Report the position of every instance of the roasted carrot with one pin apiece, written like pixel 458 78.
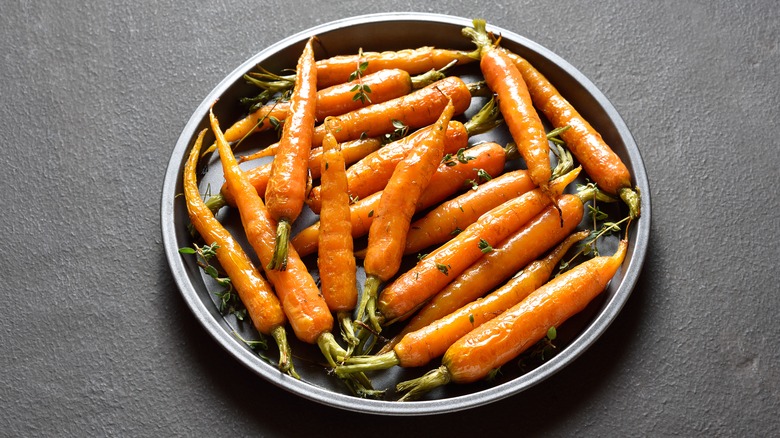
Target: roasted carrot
pixel 384 85
pixel 419 347
pixel 255 293
pixel 336 261
pixel 387 234
pixel 497 341
pixel 286 190
pixel 410 290
pixel 598 160
pixel 488 157
pixel 521 118
pixel 370 174
pixel 304 306
pixel 337 69
pixel 529 242
pixel 444 221
pixel 352 151
pixel 417 109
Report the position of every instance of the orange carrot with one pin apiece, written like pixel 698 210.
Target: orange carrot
pixel 444 221
pixel 371 174
pixel 337 69
pixel 598 160
pixel 415 110
pixel 517 108
pixel 336 261
pixel 447 180
pixel 419 347
pixel 286 190
pixel 406 293
pixel 261 303
pixel 258 176
pixel 387 235
pixel 384 85
pixel 304 306
pixel 529 242
pixel 504 337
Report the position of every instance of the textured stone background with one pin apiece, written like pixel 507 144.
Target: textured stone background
pixel 97 341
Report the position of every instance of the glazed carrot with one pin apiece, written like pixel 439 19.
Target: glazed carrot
pixel 261 303
pixel 409 291
pixel 337 69
pixel 304 306
pixel 419 347
pixel 287 184
pixel 336 261
pixel 444 221
pixel 447 180
pixel 415 110
pixel 352 151
pixel 528 243
pixel 598 160
pixel 499 340
pixel 387 234
pixel 332 101
pixel 370 174
pixel 521 118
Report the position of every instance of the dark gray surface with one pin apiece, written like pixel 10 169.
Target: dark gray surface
pixel 98 341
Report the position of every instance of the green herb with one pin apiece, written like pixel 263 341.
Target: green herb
pixel 229 302
pixel 371 213
pixel 399 131
pixel 443 268
pixel 484 246
pixel 456 231
pixel 459 157
pixel 360 89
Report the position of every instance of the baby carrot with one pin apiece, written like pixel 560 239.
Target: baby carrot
pixel 352 151
pixel 337 69
pixel 417 109
pixel 261 303
pixel 447 180
pixel 598 160
pixel 332 101
pixel 497 341
pixel 387 235
pixel 529 242
pixel 287 184
pixel 370 174
pixel 336 261
pixel 419 347
pixel 409 291
pixel 444 221
pixel 304 306
pixel 521 118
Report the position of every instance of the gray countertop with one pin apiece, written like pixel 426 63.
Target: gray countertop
pixel 97 340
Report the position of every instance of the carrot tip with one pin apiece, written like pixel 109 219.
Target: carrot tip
pixel 417 387
pixel 281 246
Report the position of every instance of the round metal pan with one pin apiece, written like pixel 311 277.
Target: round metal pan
pixel 380 32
